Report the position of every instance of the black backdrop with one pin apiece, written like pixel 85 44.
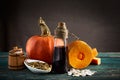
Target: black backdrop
pixel 95 21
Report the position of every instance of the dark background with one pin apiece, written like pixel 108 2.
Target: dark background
pixel 95 21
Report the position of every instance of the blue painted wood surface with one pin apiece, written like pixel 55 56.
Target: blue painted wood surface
pixel 108 70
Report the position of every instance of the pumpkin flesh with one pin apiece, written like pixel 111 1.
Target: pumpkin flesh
pixel 80 54
pixel 94 52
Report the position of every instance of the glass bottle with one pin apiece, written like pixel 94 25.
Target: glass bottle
pixel 60 56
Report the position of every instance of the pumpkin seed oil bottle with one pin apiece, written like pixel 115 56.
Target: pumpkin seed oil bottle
pixel 60 55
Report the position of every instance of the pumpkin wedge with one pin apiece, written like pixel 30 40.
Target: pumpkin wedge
pixel 96 61
pixel 80 54
pixel 94 52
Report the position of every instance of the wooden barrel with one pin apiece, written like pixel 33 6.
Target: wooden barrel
pixel 16 61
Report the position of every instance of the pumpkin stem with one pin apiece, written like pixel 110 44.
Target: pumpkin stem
pixel 44 28
pixel 72 34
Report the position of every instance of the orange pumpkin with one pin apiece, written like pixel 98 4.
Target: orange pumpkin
pixel 41 47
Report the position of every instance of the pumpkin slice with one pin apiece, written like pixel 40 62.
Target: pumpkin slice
pixel 80 54
pixel 94 52
pixel 96 61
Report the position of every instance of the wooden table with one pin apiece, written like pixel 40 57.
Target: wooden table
pixel 108 70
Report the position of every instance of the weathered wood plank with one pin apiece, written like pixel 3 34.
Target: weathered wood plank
pixel 101 54
pixel 108 70
pixel 109 54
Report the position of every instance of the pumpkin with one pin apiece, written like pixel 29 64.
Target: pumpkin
pixel 41 47
pixel 79 54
